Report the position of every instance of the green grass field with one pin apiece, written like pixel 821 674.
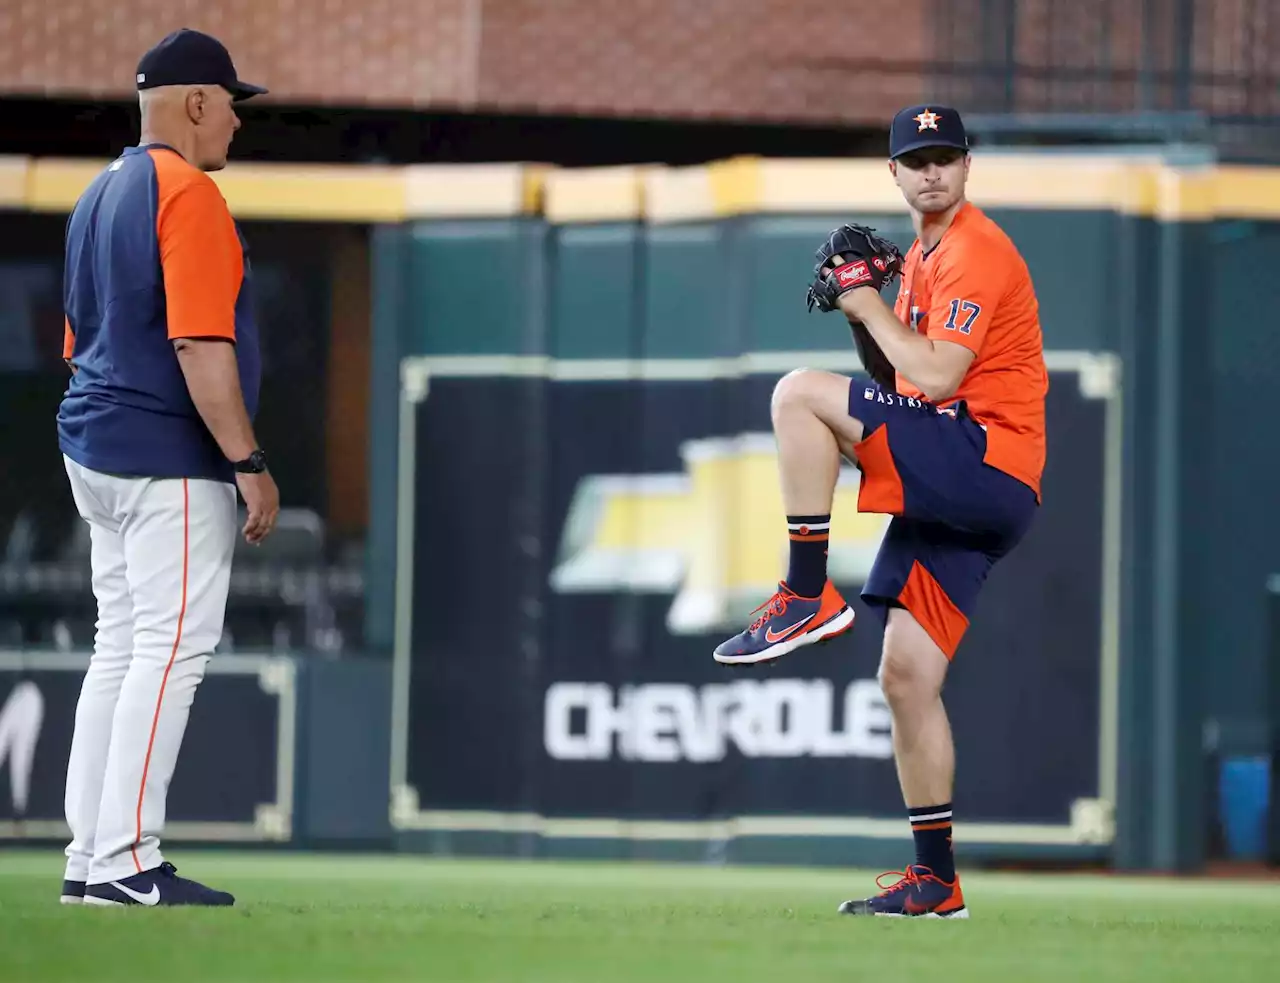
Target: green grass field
pixel 301 917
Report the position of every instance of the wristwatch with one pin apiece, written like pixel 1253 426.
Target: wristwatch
pixel 255 463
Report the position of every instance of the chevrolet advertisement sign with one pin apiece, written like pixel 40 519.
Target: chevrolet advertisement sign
pixel 714 535
pixel 594 539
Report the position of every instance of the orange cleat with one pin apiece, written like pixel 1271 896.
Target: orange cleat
pixel 788 622
pixel 917 893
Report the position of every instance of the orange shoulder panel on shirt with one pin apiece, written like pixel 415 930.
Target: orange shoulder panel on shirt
pixel 68 338
pixel 199 251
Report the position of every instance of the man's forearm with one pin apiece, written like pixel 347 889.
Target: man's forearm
pixel 213 380
pixel 912 354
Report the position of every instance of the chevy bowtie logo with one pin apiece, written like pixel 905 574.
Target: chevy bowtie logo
pixel 715 535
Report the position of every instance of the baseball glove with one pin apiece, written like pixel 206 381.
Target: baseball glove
pixel 866 260
pixel 875 361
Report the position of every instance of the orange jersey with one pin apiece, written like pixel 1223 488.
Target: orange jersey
pixel 974 289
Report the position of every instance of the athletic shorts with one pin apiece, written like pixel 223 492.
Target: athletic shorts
pixel 954 515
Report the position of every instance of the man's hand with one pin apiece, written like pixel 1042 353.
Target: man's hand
pixel 262 501
pixel 859 303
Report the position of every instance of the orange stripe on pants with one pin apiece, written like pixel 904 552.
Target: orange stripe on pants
pixel 881 489
pixel 173 654
pixel 928 603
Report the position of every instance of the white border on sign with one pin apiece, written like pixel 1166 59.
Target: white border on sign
pixel 272 822
pixel 1092 821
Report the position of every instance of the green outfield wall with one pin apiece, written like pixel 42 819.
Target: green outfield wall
pixel 1163 263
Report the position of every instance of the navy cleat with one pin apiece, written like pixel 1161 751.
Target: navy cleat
pixel 788 622
pixel 159 886
pixel 917 893
pixel 72 892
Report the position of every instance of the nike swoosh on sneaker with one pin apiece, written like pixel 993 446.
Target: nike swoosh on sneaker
pixel 771 636
pixel 152 897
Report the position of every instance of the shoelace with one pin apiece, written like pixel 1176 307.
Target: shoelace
pixel 907 879
pixel 776 605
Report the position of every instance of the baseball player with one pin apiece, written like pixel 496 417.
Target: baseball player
pixel 155 429
pixel 950 439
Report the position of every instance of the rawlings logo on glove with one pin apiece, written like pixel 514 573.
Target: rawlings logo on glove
pixel 855 274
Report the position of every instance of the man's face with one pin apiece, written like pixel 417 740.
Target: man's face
pixel 216 123
pixel 932 179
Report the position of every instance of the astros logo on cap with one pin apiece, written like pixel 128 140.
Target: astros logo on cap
pixel 928 120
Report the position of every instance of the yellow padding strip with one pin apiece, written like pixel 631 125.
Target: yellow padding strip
pixel 467 190
pixel 13 182
pixel 1246 192
pixel 748 186
pixel 360 193
pixel 740 186
pixel 680 194
pixel 594 194
pixel 324 192
pixel 54 185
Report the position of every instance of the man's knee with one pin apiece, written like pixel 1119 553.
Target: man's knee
pixel 912 666
pixel 796 390
pixel 824 395
pixel 188 635
pixel 899 679
pixel 113 644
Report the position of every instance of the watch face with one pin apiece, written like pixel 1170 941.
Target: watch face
pixel 255 463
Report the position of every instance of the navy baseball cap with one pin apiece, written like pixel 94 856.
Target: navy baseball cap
pixel 917 127
pixel 189 57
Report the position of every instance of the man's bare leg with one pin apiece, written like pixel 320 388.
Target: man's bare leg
pixel 812 426
pixel 912 671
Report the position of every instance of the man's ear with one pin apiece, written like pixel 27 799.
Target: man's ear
pixel 893 169
pixel 195 103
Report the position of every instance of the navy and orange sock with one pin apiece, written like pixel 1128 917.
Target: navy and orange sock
pixel 931 828
pixel 807 573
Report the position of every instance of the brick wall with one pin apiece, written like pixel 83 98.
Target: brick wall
pixel 763 59
pixel 388 52
pixel 679 58
pixel 744 59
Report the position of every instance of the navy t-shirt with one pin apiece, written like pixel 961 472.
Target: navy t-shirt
pixel 152 255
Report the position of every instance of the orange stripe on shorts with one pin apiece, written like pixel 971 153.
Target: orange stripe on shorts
pixel 928 603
